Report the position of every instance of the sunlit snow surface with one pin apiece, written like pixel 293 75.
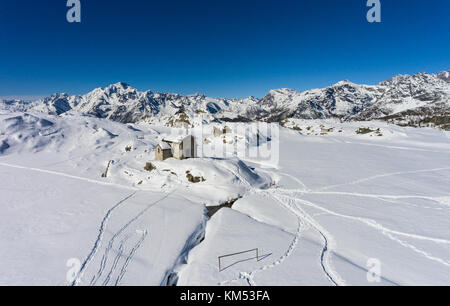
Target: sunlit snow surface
pixel 334 202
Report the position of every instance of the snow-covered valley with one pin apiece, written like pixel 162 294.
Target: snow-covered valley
pixel 341 196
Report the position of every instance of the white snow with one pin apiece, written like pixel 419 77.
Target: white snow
pixel 348 198
pixel 336 200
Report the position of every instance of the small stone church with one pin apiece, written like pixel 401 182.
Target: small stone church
pixel 179 147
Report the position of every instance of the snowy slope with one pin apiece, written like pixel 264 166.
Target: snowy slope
pixel 132 227
pixel 336 199
pixel 345 199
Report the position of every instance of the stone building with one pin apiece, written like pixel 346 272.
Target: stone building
pixel 179 147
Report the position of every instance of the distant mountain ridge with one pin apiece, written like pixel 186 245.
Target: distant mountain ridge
pixel 398 98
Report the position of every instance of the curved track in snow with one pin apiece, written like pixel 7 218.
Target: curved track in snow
pixel 304 221
pixel 98 241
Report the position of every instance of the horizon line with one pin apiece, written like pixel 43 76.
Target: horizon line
pixel 36 97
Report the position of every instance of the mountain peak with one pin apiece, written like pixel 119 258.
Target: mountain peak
pixel 344 82
pixel 444 75
pixel 117 88
pixel 121 84
pixel 282 91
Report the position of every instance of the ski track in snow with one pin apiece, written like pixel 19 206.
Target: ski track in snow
pixel 249 276
pixel 395 147
pixel 285 196
pixel 103 225
pixel 301 216
pixel 97 243
pixel 397 202
pixel 369 222
pixel 110 245
pixel 442 200
pixel 331 274
pixel 69 176
pixel 387 232
pixel 128 259
pixel 305 188
pixel 355 182
pixel 329 245
pixel 115 262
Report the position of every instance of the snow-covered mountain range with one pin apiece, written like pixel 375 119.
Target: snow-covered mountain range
pixel 422 95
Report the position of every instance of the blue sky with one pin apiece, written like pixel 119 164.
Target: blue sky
pixel 219 48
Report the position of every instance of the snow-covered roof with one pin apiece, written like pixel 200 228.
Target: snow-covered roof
pixel 164 145
pixel 175 138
